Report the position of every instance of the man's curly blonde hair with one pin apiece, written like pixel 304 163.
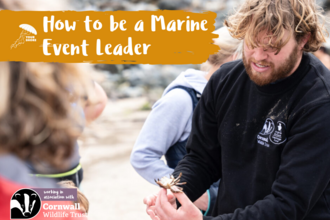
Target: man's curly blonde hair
pixel 300 17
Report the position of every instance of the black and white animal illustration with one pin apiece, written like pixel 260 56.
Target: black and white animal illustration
pixel 25 204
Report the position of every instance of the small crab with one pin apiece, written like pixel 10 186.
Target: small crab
pixel 171 183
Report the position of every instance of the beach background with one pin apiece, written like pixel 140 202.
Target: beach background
pixel 115 191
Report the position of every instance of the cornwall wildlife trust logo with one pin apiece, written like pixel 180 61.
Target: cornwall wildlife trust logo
pixel 25 204
pixel 271 133
pixel 27 35
pixel 278 136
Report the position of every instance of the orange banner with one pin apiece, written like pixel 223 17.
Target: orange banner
pixel 139 37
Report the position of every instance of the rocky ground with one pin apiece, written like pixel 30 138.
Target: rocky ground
pixel 115 191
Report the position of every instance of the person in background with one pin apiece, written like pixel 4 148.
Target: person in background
pixel 38 125
pixel 92 108
pixel 168 125
pixel 94 105
pixel 323 54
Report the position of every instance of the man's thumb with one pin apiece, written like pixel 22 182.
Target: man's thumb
pixel 182 198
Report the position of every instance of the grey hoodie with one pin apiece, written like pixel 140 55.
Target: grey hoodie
pixel 14 169
pixel 168 122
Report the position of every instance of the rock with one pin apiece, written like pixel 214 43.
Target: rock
pixel 80 4
pixel 142 6
pixel 109 88
pixel 214 6
pixel 326 5
pixel 107 67
pixel 126 91
pixel 173 4
pixel 111 6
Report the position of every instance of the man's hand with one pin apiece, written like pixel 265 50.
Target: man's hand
pixel 164 209
pixel 150 201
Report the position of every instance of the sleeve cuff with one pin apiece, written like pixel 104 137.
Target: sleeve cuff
pixel 209 202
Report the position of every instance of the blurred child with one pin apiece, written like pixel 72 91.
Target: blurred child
pixel 89 111
pixel 38 125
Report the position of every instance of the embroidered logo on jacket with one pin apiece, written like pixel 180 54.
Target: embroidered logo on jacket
pixel 271 133
pixel 268 127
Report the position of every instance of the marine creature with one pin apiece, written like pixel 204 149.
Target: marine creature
pixel 171 183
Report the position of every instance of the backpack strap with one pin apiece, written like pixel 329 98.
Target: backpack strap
pixel 194 95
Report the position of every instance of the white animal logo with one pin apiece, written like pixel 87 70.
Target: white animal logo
pixel 268 127
pixel 25 202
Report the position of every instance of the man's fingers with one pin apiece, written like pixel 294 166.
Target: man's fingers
pixel 146 201
pixel 163 199
pixel 158 198
pixel 151 208
pixel 152 215
pixel 159 206
pixel 150 200
pixel 183 199
pixel 167 207
pixel 170 196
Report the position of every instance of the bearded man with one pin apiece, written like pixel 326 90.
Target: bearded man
pixel 262 124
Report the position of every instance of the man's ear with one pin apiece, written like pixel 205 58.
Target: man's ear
pixel 304 40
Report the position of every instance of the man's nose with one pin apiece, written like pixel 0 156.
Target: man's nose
pixel 260 54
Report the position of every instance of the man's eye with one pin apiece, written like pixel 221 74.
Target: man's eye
pixel 270 49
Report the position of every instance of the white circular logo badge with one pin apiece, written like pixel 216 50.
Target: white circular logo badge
pixel 24 204
pixel 278 137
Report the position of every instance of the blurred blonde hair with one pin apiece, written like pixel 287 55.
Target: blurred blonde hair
pixel 229 46
pixel 81 198
pixel 300 17
pixel 37 120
